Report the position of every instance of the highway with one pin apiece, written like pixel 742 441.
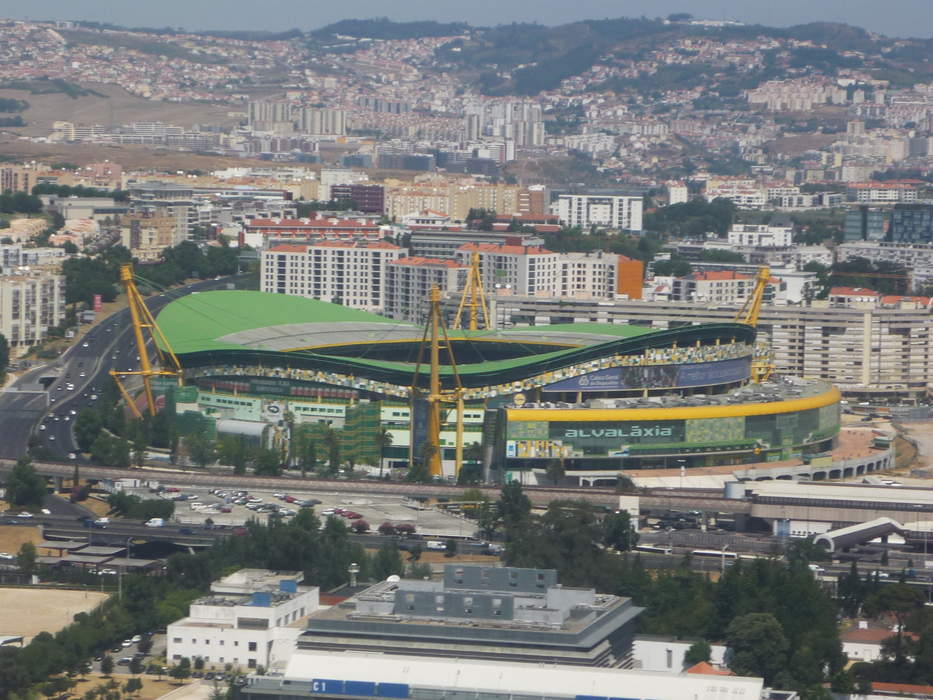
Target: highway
pixel 26 406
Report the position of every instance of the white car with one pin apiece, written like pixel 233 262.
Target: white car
pixel 42 427
pixel 84 344
pixel 7 556
pixel 24 514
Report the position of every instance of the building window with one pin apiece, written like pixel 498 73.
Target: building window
pixel 252 646
pixel 176 640
pixel 252 663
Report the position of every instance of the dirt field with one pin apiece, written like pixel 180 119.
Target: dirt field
pixel 118 107
pixel 12 538
pixel 28 611
pixel 152 688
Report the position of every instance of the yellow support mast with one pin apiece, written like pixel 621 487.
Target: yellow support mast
pixel 144 324
pixel 473 297
pixel 435 336
pixel 749 313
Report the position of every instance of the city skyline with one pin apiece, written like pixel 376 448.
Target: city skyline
pixel 285 14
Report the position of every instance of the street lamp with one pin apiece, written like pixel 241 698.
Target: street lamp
pixel 353 570
pixel 722 568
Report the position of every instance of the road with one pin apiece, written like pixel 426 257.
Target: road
pixel 80 373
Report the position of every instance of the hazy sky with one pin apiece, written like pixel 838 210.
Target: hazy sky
pixel 892 17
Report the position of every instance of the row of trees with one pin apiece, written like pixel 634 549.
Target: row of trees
pixel 775 616
pixel 89 275
pixel 324 554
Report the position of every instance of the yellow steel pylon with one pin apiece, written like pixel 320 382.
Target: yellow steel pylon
pixel 143 320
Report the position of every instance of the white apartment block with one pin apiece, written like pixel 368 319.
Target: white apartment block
pixel 536 271
pixel 589 275
pixel 881 352
pixel 351 273
pixel 31 302
pixel 251 618
pixel 713 287
pixel 409 282
pixel 677 193
pixel 622 212
pixel 742 194
pixel 13 255
pixel 515 269
pixel 881 192
pixel 761 235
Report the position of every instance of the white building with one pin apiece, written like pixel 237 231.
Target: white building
pixel 435 678
pixel 251 618
pixel 31 302
pixel 725 287
pixel 520 269
pixel 650 653
pixel 409 281
pixel 761 235
pixel 677 193
pixel 622 212
pixel 14 255
pixel 351 273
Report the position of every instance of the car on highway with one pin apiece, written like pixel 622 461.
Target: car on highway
pixel 24 514
pixel 7 556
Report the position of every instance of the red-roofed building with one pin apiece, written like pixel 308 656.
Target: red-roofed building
pixel 258 232
pixel 852 296
pixel 524 270
pixel 902 690
pixel 352 273
pixel 409 280
pixel 726 287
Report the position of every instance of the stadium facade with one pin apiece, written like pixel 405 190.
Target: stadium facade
pixel 599 398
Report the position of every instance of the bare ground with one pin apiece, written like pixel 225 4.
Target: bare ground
pixel 28 611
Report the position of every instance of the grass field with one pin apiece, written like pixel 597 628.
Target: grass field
pixel 28 611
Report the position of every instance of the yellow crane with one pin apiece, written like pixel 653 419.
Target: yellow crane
pixel 473 297
pixel 435 338
pixel 144 324
pixel 762 364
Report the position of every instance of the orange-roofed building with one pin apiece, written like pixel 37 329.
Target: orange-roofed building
pixel 853 296
pixel 352 273
pixel 726 287
pixel 707 669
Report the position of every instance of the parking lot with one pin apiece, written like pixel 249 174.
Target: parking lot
pixel 375 509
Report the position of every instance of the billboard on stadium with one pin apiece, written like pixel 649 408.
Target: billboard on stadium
pixel 641 376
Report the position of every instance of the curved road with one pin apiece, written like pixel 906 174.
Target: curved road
pixel 26 406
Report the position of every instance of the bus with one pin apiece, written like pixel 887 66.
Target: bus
pixel 717 553
pixel 654 549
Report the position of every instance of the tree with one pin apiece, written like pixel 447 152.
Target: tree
pixel 513 506
pixel 4 357
pixel 24 487
pixel 387 529
pixel 145 645
pixel 359 526
pixel 26 558
pixel 555 471
pixel 698 651
pixel 136 665
pixel 181 670
pixel 903 602
pixel 198 663
pixel 758 645
pixel 106 665
pixel 133 685
pixel 450 548
pixel 200 449
pixel 618 532
pixel 332 442
pixel 383 440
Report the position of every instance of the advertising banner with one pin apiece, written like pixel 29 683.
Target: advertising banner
pixel 98 302
pixel 639 376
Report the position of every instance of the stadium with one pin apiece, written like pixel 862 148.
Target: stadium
pixel 599 398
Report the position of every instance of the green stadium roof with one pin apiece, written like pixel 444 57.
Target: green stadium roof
pixel 246 327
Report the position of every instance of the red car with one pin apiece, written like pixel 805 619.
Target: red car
pixel 350 515
pixel 289 499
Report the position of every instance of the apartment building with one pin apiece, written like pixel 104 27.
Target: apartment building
pixel 251 618
pixel 14 255
pixel 717 287
pixel 615 211
pixel 881 192
pixel 525 270
pixel 369 199
pixel 147 234
pixel 351 273
pixel 879 352
pixel 761 235
pixel 166 200
pixel 912 223
pixel 30 303
pixel 409 281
